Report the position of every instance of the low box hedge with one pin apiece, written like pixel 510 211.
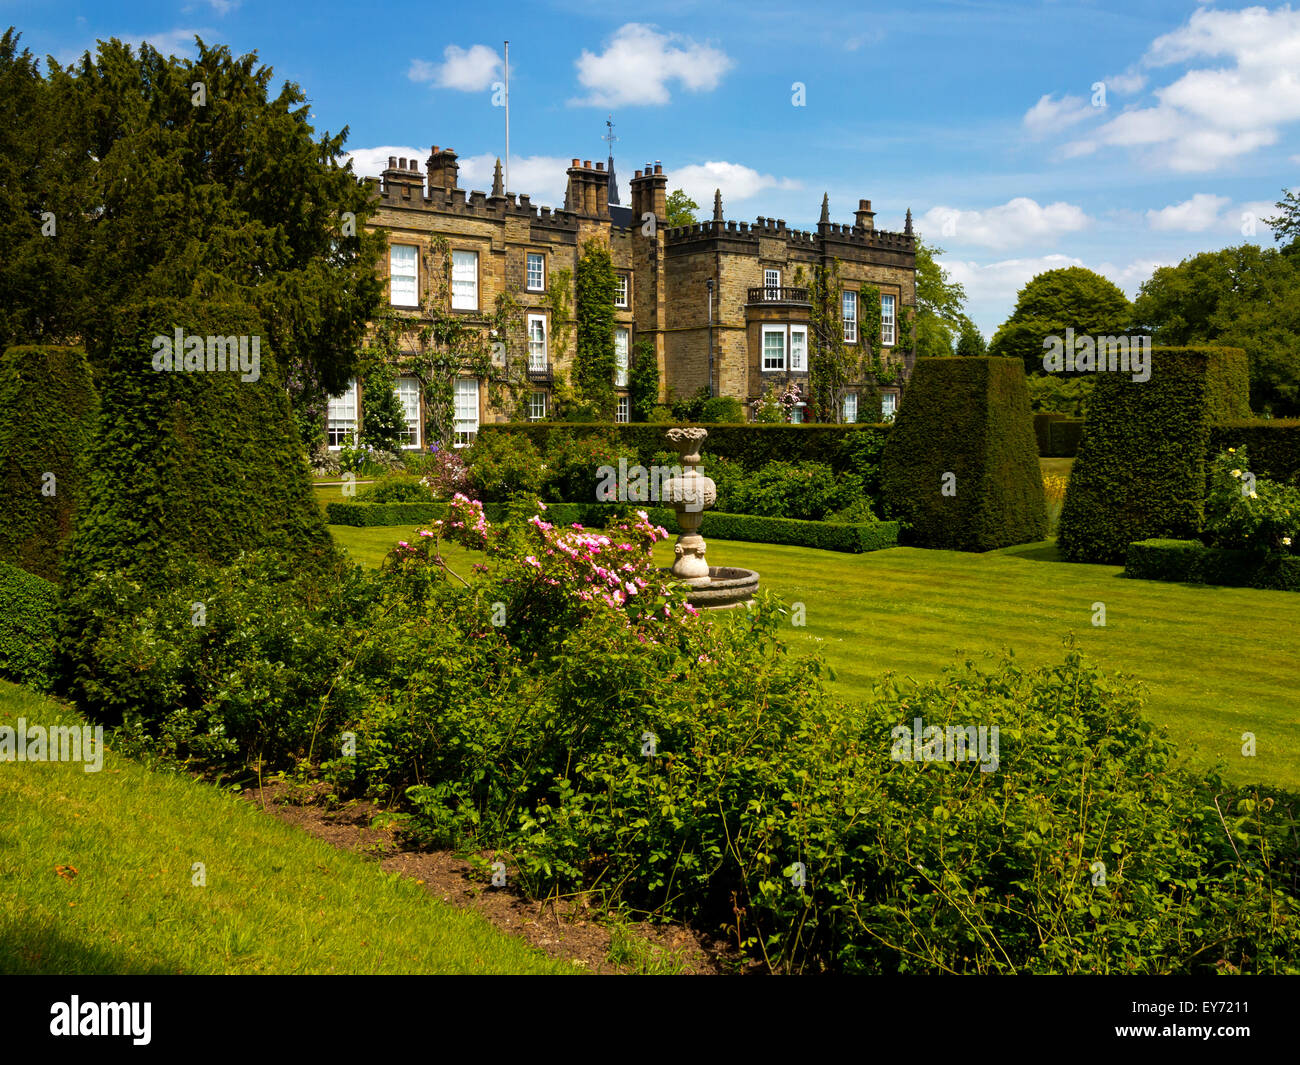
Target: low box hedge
pixel 825 535
pixel 27 604
pixel 1063 436
pixel 1191 562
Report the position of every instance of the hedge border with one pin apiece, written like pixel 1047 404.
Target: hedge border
pixel 27 607
pixel 1191 562
pixel 747 528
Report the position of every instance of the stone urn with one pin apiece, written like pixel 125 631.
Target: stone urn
pixel 689 493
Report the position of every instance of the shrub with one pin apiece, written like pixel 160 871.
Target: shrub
pixel 1141 471
pixel 572 461
pixel 1256 515
pixel 445 472
pixel 27 607
pixel 396 488
pixel 722 409
pixel 1192 562
pixel 854 537
pixel 48 411
pixel 966 419
pixel 501 464
pixel 1274 445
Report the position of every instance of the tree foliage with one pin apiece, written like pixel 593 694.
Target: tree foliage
pixel 1070 298
pixel 130 175
pixel 593 366
pixel 939 304
pixel 971 343
pixel 643 383
pixel 681 209
pixel 1246 297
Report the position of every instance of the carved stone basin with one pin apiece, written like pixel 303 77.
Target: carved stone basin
pixel 729 586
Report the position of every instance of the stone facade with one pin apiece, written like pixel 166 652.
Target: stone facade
pixel 666 271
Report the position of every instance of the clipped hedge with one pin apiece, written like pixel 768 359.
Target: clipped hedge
pixel 823 535
pixel 750 445
pixel 1042 429
pixel 200 464
pixel 1273 446
pixel 827 536
pixel 27 604
pixel 1142 466
pixel 968 417
pixel 1063 438
pixel 1191 562
pixel 48 408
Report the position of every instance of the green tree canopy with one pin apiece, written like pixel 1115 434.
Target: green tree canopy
pixel 939 304
pixel 1070 298
pixel 681 209
pixel 1246 297
pixel 130 175
pixel 971 343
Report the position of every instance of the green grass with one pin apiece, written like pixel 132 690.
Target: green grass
pixel 276 900
pixel 1217 662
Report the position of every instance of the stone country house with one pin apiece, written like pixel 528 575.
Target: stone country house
pixel 760 327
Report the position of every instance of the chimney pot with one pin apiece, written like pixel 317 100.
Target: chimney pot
pixel 392 162
pixel 586 164
pixel 658 169
pixel 435 149
pixel 600 166
pixel 638 173
pixel 575 162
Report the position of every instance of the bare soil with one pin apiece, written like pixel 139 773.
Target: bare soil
pixel 568 928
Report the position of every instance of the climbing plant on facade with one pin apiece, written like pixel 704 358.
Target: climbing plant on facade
pixel 593 364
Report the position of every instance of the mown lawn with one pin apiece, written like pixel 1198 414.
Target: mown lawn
pixel 1217 662
pixel 276 900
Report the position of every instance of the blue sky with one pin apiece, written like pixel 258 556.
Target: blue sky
pixel 1023 136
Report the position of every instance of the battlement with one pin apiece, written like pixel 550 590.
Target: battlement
pixel 856 234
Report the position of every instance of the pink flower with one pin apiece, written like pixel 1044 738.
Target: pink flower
pixel 691 610
pixel 402 543
pixel 425 532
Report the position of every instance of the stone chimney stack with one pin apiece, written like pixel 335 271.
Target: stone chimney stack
pixel 403 178
pixel 587 192
pixel 865 217
pixel 443 168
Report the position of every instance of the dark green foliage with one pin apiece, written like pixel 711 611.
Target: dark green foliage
pixel 691 408
pixel 1191 562
pixel 27 606
pixel 1142 465
pixel 1053 301
pixel 970 418
pixel 593 363
pixel 502 465
pixel 808 491
pixel 750 445
pixel 824 535
pixel 395 488
pixel 1274 445
pixel 383 419
pixel 643 381
pixel 722 409
pixel 202 465
pixel 1246 297
pixel 572 463
pixel 1058 435
pixel 971 343
pixel 48 409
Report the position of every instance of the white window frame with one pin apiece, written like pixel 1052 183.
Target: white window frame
pixel 887 320
pixel 538 361
pixel 798 353
pixel 784 333
pixel 890 399
pixel 622 355
pixel 537 410
pixel 413 435
pixel 404 287
pixel 772 282
pixel 529 257
pixel 623 412
pixel 796 414
pixel 622 288
pixel 341 417
pixel 850 408
pixel 850 315
pixel 466 411
pixel 464 298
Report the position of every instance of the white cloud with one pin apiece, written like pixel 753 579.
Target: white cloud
pixel 737 182
pixel 1126 84
pixel 1012 224
pixel 998 283
pixel 1196 215
pixel 1130 277
pixel 472 69
pixel 639 62
pixel 1214 114
pixel 369 162
pixel 168 42
pixel 1051 116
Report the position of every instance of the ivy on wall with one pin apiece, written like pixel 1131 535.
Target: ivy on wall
pixel 593 364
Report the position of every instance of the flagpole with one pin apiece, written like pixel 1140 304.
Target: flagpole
pixel 507 64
